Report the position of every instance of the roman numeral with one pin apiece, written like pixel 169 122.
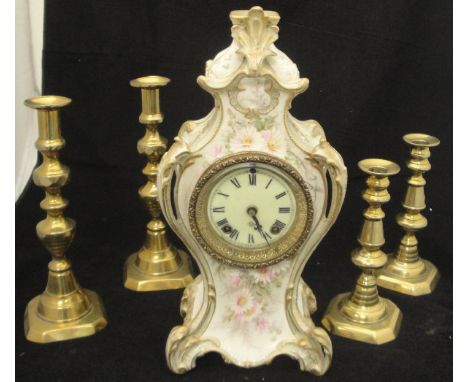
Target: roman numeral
pixel 251 239
pixel 218 209
pixel 235 182
pixel 222 222
pixel 279 224
pixel 284 210
pixel 226 195
pixel 268 184
pixel 280 195
pixel 266 235
pixel 234 234
pixel 253 179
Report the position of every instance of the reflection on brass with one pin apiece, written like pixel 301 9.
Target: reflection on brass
pixel 64 310
pixel 157 265
pixel 362 315
pixel 406 272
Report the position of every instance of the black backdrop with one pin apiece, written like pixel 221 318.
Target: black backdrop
pixel 377 69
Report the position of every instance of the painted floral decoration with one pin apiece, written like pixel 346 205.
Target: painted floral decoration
pixel 246 138
pixel 275 143
pixel 251 298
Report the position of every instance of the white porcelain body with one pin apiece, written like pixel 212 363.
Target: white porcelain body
pixel 250 115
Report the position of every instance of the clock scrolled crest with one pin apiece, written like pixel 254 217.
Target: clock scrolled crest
pixel 250 210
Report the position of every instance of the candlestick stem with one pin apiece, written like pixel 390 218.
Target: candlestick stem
pixel 363 315
pixel 158 265
pixel 406 272
pixel 64 310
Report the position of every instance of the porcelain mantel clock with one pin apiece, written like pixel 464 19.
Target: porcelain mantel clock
pixel 246 190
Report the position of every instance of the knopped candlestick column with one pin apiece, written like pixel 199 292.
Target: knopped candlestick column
pixel 64 310
pixel 363 315
pixel 407 272
pixel 158 265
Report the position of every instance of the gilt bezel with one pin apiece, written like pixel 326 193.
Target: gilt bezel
pixel 243 257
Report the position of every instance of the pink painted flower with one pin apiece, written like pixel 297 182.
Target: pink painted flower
pixel 215 152
pixel 280 267
pixel 244 305
pixel 235 280
pixel 246 138
pixel 262 275
pixel 263 324
pixel 275 143
pixel 234 276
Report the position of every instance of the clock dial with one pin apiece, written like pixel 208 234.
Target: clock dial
pixel 251 210
pixel 251 206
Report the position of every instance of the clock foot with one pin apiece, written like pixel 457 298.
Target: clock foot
pixel 184 344
pixel 312 355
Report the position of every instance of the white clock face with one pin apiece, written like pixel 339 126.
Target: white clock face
pixel 251 206
pixel 251 210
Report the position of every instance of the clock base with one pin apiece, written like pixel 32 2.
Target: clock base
pixel 140 281
pixel 40 330
pixel 202 332
pixel 414 279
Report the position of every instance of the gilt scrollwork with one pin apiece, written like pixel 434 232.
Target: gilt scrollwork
pixel 255 31
pixel 253 96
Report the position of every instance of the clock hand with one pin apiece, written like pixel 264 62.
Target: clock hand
pixel 257 223
pixel 252 211
pixel 264 236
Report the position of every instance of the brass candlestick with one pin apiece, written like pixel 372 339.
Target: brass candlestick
pixel 157 265
pixel 406 272
pixel 362 315
pixel 64 310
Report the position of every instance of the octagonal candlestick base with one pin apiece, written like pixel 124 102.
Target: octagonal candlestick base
pixel 363 315
pixel 157 266
pixel 40 330
pixel 406 272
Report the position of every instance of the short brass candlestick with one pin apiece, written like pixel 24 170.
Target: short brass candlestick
pixel 64 310
pixel 158 265
pixel 406 272
pixel 362 315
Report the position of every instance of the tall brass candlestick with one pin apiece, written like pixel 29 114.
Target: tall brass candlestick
pixel 362 315
pixel 406 272
pixel 64 310
pixel 158 265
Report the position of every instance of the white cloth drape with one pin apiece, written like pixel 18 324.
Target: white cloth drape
pixel 29 26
